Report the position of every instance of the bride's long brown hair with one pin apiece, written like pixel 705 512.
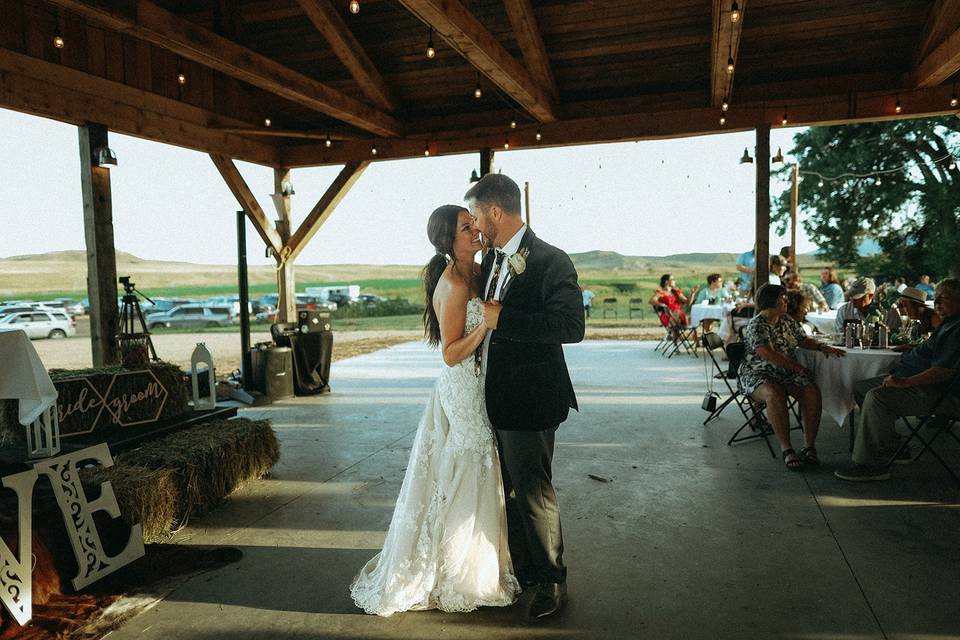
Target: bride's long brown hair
pixel 441 231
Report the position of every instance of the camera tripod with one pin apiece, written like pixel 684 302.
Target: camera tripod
pixel 130 340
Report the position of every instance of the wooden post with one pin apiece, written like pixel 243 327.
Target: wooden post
pixel 101 252
pixel 286 282
pixel 486 161
pixel 761 275
pixel 794 197
pixel 526 200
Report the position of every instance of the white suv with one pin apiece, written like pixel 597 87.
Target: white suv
pixel 41 324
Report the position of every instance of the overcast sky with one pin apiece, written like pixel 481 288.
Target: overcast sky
pixel 637 198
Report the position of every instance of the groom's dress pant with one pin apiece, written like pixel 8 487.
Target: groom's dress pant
pixel 527 461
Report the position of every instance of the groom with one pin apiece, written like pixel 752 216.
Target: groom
pixel 534 303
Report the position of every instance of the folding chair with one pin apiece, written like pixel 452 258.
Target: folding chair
pixel 661 312
pixel 609 305
pixel 636 305
pixel 754 414
pixel 941 420
pixel 710 342
pixel 681 337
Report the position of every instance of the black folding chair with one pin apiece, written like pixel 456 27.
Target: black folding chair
pixel 941 421
pixel 663 314
pixel 682 337
pixel 636 306
pixel 710 342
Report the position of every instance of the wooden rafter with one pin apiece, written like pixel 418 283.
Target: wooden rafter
pixel 248 202
pixel 827 110
pixel 724 45
pixel 325 206
pixel 147 21
pixel 462 31
pixel 348 49
pixel 527 33
pixel 33 86
pixel 938 55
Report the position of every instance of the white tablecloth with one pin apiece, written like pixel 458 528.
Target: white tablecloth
pixel 824 322
pixel 23 376
pixel 704 311
pixel 836 376
pixel 730 326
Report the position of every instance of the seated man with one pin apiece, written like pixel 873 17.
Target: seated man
pixel 860 294
pixel 925 286
pixel 912 304
pixel 913 389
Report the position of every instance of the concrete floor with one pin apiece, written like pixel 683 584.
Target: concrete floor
pixel 690 539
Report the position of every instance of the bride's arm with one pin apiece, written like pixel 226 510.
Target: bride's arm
pixel 450 303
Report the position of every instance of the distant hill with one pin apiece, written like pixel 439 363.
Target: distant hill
pixel 613 261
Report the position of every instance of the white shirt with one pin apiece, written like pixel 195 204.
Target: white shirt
pixel 510 248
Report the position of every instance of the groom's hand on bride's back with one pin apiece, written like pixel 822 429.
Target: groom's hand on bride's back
pixel 491 314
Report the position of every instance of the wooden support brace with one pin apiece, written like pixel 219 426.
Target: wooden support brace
pixel 248 203
pixel 326 205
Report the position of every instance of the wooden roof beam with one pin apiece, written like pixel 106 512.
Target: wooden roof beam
pixel 527 33
pixel 829 110
pixel 144 20
pixel 938 55
pixel 462 31
pixel 725 44
pixel 348 49
pixel 326 206
pixel 248 202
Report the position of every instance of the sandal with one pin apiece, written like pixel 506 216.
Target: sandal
pixel 809 456
pixel 790 460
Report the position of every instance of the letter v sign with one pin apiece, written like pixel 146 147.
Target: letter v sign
pixel 16 580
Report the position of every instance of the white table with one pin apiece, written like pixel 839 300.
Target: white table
pixel 704 311
pixel 836 376
pixel 23 376
pixel 824 322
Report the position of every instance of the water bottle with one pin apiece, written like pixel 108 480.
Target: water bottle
pixel 883 337
pixel 848 332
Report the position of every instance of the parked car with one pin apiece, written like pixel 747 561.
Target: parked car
pixel 162 305
pixel 228 301
pixel 191 316
pixel 370 299
pixel 25 306
pixel 41 324
pixel 314 303
pixel 70 305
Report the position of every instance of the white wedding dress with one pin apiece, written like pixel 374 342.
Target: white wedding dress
pixel 447 543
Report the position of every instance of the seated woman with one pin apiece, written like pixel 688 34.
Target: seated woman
pixel 770 372
pixel 798 304
pixel 714 292
pixel 831 289
pixel 669 295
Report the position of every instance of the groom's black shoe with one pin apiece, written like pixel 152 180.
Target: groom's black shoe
pixel 549 599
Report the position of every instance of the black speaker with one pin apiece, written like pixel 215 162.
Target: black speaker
pixel 313 321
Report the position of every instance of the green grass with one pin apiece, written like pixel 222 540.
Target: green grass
pixel 339 324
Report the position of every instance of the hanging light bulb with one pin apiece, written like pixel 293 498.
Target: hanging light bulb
pixel 513 123
pixel 953 97
pixel 328 142
pixel 181 78
pixel 723 120
pixel 745 158
pixel 373 149
pixel 725 104
pixel 267 122
pixel 878 181
pixel 478 92
pixel 735 12
pixel 539 135
pixel 426 149
pixel 952 165
pixel 730 65
pixel 354 6
pixel 431 52
pixel 820 184
pixel 783 120
pixel 506 143
pixel 898 108
pixel 58 39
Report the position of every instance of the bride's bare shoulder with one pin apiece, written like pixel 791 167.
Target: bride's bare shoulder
pixel 451 287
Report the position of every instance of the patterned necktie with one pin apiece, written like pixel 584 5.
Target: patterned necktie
pixel 492 287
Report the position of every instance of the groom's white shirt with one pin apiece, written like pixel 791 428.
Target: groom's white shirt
pixel 510 248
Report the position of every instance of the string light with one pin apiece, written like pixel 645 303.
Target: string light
pixel 182 79
pixel 723 120
pixel 373 149
pixel 506 143
pixel 58 41
pixel 478 92
pixel 898 108
pixel 539 135
pixel 267 122
pixel 426 149
pixel 952 165
pixel 953 97
pixel 431 52
pixel 735 12
pixel 820 184
pixel 354 6
pixel 878 181
pixel 725 104
pixel 730 64
pixel 850 178
pixel 328 142
pixel 783 120
pixel 513 122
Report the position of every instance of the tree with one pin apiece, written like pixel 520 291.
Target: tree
pixel 913 213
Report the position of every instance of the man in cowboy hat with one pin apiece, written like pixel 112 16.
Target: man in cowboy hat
pixel 912 304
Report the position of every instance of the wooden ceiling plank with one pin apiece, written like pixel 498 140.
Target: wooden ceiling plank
pixel 725 44
pixel 325 206
pixel 462 31
pixel 147 21
pixel 943 19
pixel 939 64
pixel 348 49
pixel 530 41
pixel 248 202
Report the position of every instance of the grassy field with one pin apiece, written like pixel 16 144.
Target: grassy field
pixel 608 275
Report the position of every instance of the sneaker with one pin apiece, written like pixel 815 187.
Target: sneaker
pixel 862 473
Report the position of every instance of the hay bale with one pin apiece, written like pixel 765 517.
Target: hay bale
pixel 210 460
pixel 148 497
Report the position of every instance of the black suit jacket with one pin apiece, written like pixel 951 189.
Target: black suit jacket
pixel 528 387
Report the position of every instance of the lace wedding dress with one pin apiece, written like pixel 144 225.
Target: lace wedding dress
pixel 447 543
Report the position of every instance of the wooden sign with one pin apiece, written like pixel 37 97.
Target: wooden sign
pixel 125 399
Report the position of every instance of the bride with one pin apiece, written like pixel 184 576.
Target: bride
pixel 447 543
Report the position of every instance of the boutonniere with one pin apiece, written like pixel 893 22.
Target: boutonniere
pixel 517 262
